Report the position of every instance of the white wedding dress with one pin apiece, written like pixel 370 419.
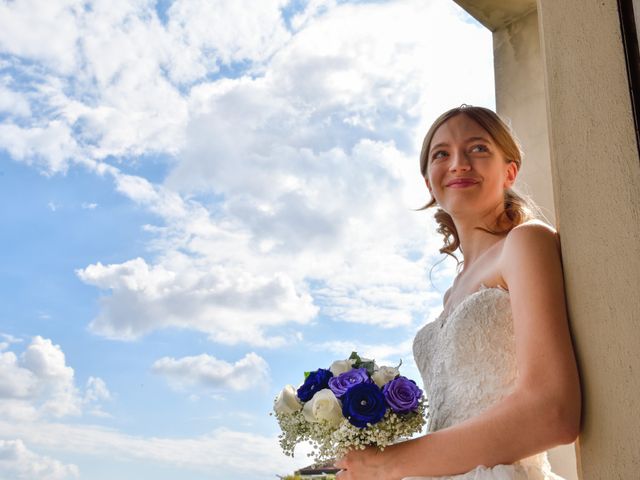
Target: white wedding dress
pixel 467 362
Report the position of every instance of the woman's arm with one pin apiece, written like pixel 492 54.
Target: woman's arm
pixel 544 408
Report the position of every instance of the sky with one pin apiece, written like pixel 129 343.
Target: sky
pixel 201 200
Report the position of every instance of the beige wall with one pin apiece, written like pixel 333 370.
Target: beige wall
pixel 596 173
pixel 520 97
pixel 576 75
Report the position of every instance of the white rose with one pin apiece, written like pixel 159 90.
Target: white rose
pixel 287 401
pixel 384 375
pixel 323 406
pixel 341 366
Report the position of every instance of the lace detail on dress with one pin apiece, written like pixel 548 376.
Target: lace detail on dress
pixel 467 360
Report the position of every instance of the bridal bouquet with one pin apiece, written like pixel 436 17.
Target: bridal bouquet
pixel 351 405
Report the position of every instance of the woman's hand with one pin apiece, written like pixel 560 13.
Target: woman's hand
pixel 367 464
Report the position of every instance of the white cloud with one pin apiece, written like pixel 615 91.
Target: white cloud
pixel 23 422
pixel 334 84
pixel 104 84
pixel 8 340
pixel 215 291
pixel 19 463
pixel 89 206
pixel 43 31
pixel 50 147
pixel 229 304
pixel 312 10
pixel 230 453
pixel 162 201
pixel 310 153
pixel 211 270
pixel 15 381
pixel 315 184
pixel 293 153
pixel 55 380
pixel 113 71
pixel 14 103
pixel 221 32
pixel 11 338
pixel 39 383
pixel 96 390
pixel 207 371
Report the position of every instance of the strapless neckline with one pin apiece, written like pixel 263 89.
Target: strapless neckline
pixel 469 364
pixel 483 288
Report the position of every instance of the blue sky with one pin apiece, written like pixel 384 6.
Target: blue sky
pixel 201 200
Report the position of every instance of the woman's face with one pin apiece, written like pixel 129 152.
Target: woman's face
pixel 467 171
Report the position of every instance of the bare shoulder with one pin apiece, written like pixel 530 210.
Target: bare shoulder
pixel 533 228
pixel 532 236
pixel 530 248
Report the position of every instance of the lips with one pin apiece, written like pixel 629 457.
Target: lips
pixel 461 182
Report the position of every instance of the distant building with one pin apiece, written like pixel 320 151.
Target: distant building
pixel 318 470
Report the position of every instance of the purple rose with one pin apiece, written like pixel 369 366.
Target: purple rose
pixel 343 382
pixel 363 403
pixel 314 382
pixel 402 395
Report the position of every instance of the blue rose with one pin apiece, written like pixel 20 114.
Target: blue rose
pixel 343 382
pixel 364 403
pixel 402 395
pixel 314 382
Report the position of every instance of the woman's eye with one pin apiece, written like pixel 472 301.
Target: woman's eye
pixel 479 148
pixel 439 154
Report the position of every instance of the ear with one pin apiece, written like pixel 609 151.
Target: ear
pixel 512 173
pixel 426 180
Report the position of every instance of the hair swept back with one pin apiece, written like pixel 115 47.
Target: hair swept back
pixel 518 208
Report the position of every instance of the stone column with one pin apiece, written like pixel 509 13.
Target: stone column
pixel 596 173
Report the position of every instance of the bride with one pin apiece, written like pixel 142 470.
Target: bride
pixel 498 363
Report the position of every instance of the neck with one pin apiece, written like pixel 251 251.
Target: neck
pixel 474 242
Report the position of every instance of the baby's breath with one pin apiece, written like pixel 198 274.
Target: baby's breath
pixel 331 441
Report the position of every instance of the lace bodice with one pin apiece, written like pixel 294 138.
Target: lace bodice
pixel 467 358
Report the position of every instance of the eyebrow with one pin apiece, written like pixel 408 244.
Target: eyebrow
pixel 470 139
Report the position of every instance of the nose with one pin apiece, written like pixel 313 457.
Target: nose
pixel 459 161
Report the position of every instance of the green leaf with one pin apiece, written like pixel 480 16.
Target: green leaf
pixel 306 374
pixel 369 366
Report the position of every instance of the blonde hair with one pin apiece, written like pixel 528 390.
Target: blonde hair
pixel 517 207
